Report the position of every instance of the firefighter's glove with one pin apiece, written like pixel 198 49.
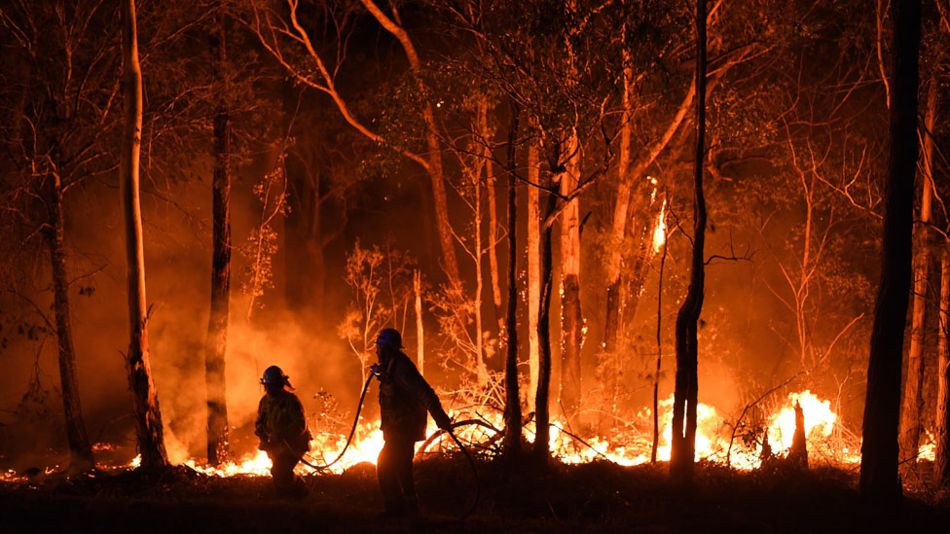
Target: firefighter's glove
pixel 377 370
pixel 443 422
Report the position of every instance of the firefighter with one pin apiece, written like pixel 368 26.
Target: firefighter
pixel 404 398
pixel 282 429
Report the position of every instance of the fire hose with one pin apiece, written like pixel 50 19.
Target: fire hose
pixel 349 440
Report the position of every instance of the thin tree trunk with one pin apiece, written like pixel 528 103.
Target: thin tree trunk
pixel 534 273
pixel 572 321
pixel 512 441
pixel 621 208
pixel 147 413
pixel 880 483
pixel 942 423
pixel 217 340
pixel 420 329
pixel 542 413
pixel 480 365
pixel 687 320
pixel 80 451
pixel 912 408
pixel 659 358
pixel 491 182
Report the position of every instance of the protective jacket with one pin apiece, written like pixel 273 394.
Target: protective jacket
pixel 280 420
pixel 404 398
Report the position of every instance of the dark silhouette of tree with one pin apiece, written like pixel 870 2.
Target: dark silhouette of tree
pixel 880 483
pixel 687 320
pixel 216 343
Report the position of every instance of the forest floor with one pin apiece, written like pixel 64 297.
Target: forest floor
pixel 592 497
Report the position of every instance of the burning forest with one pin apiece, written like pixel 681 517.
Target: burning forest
pixel 599 265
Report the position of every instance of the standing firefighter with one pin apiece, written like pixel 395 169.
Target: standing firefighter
pixel 404 398
pixel 282 429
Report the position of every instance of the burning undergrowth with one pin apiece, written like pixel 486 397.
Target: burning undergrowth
pixel 720 440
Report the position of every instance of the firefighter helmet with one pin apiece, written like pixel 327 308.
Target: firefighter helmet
pixel 274 376
pixel 389 337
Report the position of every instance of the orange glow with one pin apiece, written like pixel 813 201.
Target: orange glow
pixel 712 441
pixel 627 447
pixel 659 231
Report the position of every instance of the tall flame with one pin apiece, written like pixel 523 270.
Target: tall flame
pixel 659 231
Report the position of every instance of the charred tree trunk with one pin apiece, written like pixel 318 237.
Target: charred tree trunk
pixel 512 443
pixel 942 423
pixel 542 416
pixel 880 483
pixel 534 273
pixel 912 407
pixel 147 414
pixel 687 319
pixel 572 321
pixel 798 455
pixel 80 451
pixel 217 341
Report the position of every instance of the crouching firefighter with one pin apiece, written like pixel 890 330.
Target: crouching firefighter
pixel 404 398
pixel 282 429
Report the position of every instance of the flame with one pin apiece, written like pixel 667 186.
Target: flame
pixel 819 420
pixel 257 464
pixel 712 440
pixel 628 446
pixel 659 231
pixel 928 451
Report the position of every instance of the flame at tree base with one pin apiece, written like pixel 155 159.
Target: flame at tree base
pixel 828 442
pixel 630 448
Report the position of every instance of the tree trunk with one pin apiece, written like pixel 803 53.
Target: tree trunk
pixel 659 358
pixel 434 151
pixel 627 178
pixel 880 483
pixel 912 408
pixel 491 182
pixel 80 451
pixel 147 414
pixel 621 208
pixel 217 340
pixel 572 321
pixel 512 443
pixel 534 273
pixel 798 455
pixel 420 329
pixel 942 423
pixel 481 366
pixel 450 264
pixel 687 319
pixel 542 415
